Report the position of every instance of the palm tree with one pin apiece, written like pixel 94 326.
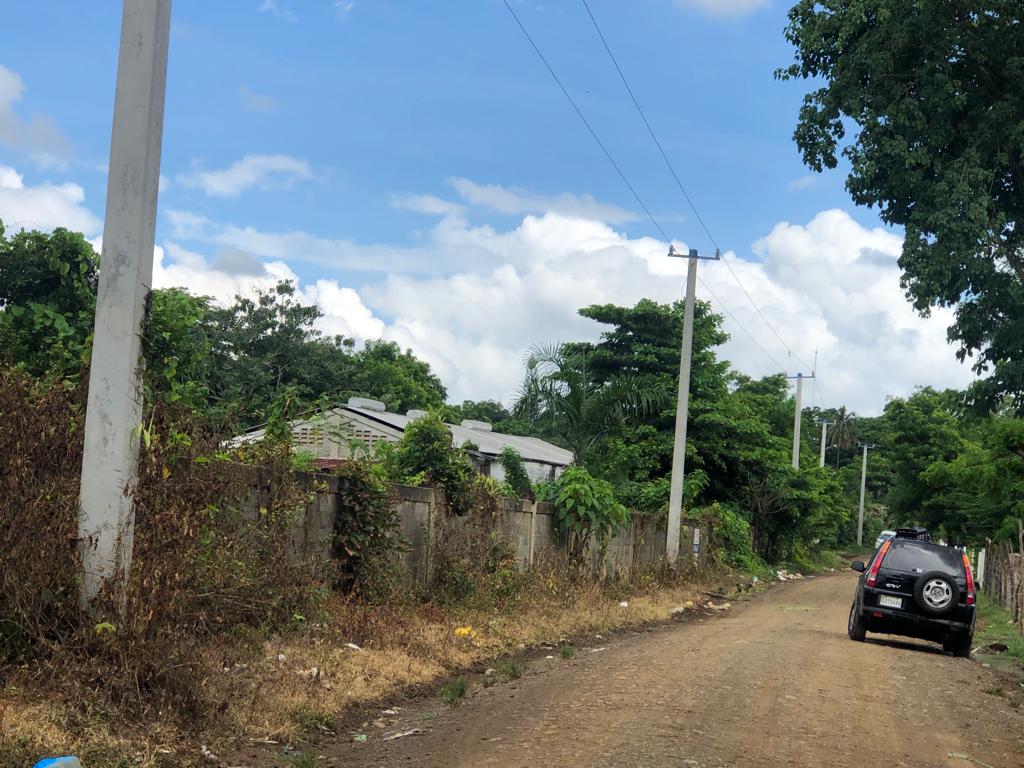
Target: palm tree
pixel 844 432
pixel 560 393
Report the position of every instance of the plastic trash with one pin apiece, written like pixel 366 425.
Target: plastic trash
pixel 59 762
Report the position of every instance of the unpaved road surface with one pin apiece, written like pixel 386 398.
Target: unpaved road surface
pixel 774 682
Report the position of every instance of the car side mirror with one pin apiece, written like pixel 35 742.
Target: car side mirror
pixel 859 566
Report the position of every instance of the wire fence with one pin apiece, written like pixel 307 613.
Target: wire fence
pixel 1004 578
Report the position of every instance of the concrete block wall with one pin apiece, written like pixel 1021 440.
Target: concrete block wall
pixel 527 526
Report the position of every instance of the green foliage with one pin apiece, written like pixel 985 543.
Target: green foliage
pixel 47 301
pixel 585 508
pixel 224 362
pixel 425 456
pixel 730 536
pixel 366 529
pixel 454 691
pixel 566 651
pixel 515 473
pixel 561 393
pixel 510 669
pixel 929 95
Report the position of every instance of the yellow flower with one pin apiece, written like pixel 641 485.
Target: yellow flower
pixel 465 632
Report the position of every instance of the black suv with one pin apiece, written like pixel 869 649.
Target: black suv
pixel 915 588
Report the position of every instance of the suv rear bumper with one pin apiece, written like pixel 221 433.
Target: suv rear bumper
pixel 895 622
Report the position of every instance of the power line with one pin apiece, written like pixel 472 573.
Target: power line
pixel 593 133
pixel 725 309
pixel 649 129
pixel 679 183
pixel 622 175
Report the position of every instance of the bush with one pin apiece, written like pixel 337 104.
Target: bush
pixel 730 537
pixel 515 473
pixel 585 508
pixel 211 548
pixel 366 529
pixel 425 456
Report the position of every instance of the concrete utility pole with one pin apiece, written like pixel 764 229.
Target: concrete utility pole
pixel 796 418
pixel 675 499
pixel 114 412
pixel 863 485
pixel 824 431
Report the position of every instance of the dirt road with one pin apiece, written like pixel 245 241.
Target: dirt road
pixel 772 683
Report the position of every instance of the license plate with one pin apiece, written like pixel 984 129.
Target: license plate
pixel 888 601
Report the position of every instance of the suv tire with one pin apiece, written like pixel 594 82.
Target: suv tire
pixel 855 627
pixel 936 593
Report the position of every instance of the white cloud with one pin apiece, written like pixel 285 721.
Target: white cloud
pixel 343 9
pixel 177 267
pixel 831 286
pixel 471 299
pixel 277 10
pixel 39 136
pixel 519 201
pixel 252 171
pixel 804 182
pixel 344 311
pixel 44 206
pixel 256 102
pixel 733 8
pixel 429 204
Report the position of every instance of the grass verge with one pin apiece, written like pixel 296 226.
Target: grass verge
pixel 996 627
pixel 281 687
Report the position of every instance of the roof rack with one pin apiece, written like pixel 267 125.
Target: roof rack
pixel 918 534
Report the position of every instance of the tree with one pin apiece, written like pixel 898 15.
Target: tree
pixel 381 369
pixel 561 393
pixel 919 432
pixel 48 301
pixel 644 341
pixel 934 91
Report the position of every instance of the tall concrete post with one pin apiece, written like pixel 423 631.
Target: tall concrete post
pixel 796 420
pixel 863 486
pixel 824 431
pixel 675 498
pixel 114 411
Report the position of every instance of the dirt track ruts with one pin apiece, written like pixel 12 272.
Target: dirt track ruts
pixel 774 682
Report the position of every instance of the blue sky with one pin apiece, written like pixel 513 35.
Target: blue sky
pixel 394 157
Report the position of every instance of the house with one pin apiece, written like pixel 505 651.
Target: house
pixel 343 431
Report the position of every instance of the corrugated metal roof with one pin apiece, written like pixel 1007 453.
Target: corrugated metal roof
pixel 490 443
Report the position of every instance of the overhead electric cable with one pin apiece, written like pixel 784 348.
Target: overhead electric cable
pixel 725 309
pixel 593 133
pixel 679 183
pixel 625 180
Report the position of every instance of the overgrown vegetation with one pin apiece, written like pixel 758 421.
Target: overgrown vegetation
pixel 585 510
pixel 205 560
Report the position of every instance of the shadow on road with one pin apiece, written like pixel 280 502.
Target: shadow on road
pixel 907 645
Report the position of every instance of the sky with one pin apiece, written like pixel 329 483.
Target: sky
pixel 416 170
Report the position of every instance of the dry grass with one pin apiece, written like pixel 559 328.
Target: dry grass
pixel 280 689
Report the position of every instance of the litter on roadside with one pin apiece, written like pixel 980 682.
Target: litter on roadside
pixel 403 734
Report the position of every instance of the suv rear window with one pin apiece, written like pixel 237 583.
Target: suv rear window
pixel 909 557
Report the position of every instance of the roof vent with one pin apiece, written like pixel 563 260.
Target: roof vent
pixel 415 413
pixel 479 426
pixel 367 404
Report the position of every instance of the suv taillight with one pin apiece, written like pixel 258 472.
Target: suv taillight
pixel 970 580
pixel 873 573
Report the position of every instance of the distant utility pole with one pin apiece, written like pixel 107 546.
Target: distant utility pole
pixel 824 431
pixel 796 419
pixel 863 485
pixel 675 498
pixel 113 417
